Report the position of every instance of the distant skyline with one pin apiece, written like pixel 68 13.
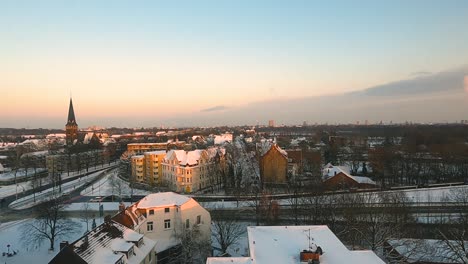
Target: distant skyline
pixel 152 63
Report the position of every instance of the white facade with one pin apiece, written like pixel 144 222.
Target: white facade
pixel 163 217
pixel 189 171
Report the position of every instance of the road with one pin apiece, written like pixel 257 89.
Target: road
pixel 7 214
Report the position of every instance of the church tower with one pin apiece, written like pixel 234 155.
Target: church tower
pixel 71 128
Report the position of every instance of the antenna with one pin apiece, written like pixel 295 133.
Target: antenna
pixel 310 238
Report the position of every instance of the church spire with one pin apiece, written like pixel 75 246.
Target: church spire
pixel 71 128
pixel 71 114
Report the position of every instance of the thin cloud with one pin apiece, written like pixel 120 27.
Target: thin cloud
pixel 215 108
pixel 429 83
pixel 420 73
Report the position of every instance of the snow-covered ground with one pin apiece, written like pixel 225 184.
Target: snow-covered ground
pixel 32 200
pixel 431 195
pixel 94 206
pixel 423 195
pixel 10 234
pixel 111 185
pixel 8 190
pixel 7 176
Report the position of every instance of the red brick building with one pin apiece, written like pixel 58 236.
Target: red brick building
pixel 343 181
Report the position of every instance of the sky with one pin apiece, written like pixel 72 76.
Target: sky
pixel 181 63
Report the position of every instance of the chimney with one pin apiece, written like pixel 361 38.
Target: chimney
pixel 63 244
pixel 121 207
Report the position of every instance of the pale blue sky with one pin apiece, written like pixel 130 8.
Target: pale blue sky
pixel 184 56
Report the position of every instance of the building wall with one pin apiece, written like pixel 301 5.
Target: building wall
pixel 153 167
pixel 191 178
pixel 178 216
pixel 71 132
pixel 340 181
pixel 140 148
pixel 138 168
pixel 273 167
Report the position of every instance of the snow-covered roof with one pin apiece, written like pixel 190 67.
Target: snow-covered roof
pixel 283 244
pixel 280 150
pixel 105 255
pixel 185 158
pixel 220 260
pixel 330 172
pixel 36 153
pixel 221 139
pixel 131 235
pixel 163 199
pixel 57 135
pixel 88 137
pixel 156 152
pixel 138 157
pixel 361 179
pixel 120 245
pixel 108 243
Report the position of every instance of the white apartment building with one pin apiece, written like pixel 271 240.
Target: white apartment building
pixel 163 217
pixel 190 171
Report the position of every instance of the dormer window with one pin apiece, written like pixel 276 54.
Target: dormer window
pixel 130 252
pixel 167 210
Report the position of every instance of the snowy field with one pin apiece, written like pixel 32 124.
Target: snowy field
pixel 8 190
pixel 92 206
pixel 111 185
pixel 19 174
pixel 10 234
pixel 29 201
pixel 423 195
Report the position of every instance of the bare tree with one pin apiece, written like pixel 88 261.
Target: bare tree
pixel 373 218
pixel 194 248
pixel 86 215
pixel 50 225
pixel 117 184
pixel 227 232
pixel 455 236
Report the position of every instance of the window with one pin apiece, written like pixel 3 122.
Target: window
pixel 149 226
pixel 167 224
pixel 151 212
pixel 167 210
pixel 198 219
pixel 187 223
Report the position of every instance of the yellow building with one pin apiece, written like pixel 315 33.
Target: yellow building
pixel 138 168
pixel 274 166
pixel 153 167
pixel 140 148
